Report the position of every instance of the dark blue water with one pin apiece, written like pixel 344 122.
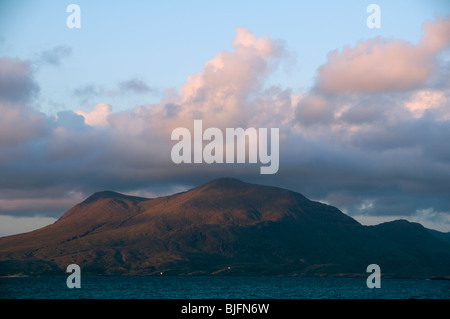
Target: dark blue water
pixel 161 287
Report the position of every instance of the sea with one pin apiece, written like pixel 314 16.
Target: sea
pixel 219 287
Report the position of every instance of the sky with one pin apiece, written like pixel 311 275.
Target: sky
pixel 363 113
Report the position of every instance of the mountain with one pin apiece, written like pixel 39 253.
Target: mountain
pixel 223 227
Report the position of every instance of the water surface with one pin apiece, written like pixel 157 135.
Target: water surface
pixel 205 287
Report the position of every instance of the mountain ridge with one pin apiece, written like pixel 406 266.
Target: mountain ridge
pixel 225 226
pixel 111 194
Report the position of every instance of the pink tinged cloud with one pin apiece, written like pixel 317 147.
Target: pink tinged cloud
pixel 379 65
pixel 233 73
pixel 98 117
pixel 220 90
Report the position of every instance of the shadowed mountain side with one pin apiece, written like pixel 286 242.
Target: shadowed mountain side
pixel 223 227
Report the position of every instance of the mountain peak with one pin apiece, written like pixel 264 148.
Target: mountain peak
pixel 401 224
pixel 110 194
pixel 225 182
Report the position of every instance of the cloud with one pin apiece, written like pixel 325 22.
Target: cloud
pixel 436 35
pixel 132 86
pixel 38 206
pixel 380 112
pixel 314 109
pixel 370 148
pixel 429 100
pixel 98 117
pixel 374 65
pixel 135 85
pixel 54 56
pixel 16 80
pixel 98 149
pixel 18 121
pixel 380 65
pixel 87 92
pixel 220 91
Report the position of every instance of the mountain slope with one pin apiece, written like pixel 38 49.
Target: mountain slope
pixel 222 227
